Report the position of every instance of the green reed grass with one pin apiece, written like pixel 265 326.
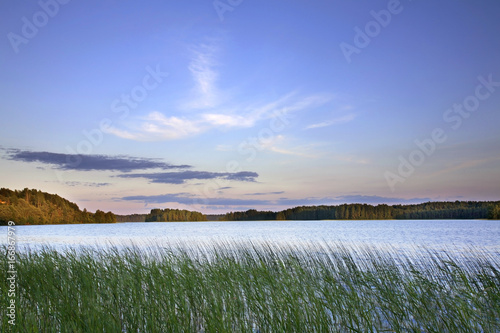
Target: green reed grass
pixel 253 288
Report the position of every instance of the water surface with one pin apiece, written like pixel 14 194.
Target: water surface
pixel 456 235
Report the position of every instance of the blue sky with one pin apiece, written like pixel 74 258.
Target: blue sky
pixel 223 106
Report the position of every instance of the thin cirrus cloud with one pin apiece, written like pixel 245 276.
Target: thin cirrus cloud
pixel 202 69
pixel 90 162
pixel 278 144
pixel 210 107
pixel 265 193
pixel 158 127
pixel 341 120
pixel 87 184
pixel 207 110
pixel 183 176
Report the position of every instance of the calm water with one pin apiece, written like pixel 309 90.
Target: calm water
pixel 456 235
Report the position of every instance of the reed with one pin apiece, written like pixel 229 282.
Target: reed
pixel 253 288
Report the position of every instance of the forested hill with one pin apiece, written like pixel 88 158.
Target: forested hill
pixel 428 210
pixel 37 207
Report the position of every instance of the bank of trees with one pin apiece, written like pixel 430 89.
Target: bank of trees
pixel 494 212
pixel 428 210
pixel 174 215
pixel 30 206
pixel 249 215
pixel 131 218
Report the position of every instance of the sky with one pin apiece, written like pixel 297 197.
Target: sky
pixel 219 106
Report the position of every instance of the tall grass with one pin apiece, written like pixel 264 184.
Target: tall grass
pixel 256 288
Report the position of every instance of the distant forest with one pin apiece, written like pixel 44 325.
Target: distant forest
pixel 131 218
pixel 37 207
pixel 162 217
pixel 424 211
pixel 174 215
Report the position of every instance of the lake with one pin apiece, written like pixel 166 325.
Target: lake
pixel 314 287
pixel 438 235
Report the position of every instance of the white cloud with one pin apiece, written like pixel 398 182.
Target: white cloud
pixel 341 120
pixel 283 151
pixel 281 145
pixel 310 102
pixel 228 120
pixel 202 69
pixel 205 105
pixel 253 114
pixel 157 127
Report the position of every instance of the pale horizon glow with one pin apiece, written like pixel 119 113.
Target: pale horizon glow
pixel 133 106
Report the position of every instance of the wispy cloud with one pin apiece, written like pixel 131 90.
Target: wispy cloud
pixel 90 162
pixel 209 106
pixel 229 120
pixel 281 145
pixel 87 184
pixel 340 120
pixel 182 177
pixel 249 115
pixel 202 69
pixel 265 193
pixel 158 127
pixel 301 151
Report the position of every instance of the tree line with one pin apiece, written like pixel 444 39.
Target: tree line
pixel 174 215
pixel 131 218
pixel 30 206
pixel 424 211
pixel 494 212
pixel 37 207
